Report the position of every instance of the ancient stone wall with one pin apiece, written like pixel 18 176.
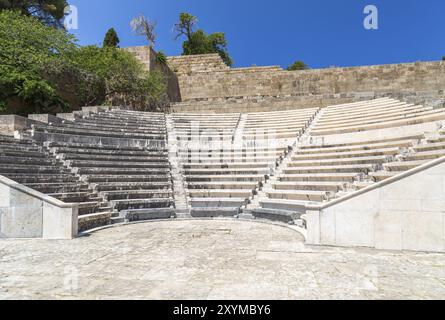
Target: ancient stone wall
pixel 148 57
pixel 184 65
pixel 204 87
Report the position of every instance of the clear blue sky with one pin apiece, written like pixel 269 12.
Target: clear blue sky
pixel 322 33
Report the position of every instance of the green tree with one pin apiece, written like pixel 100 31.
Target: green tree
pixel 50 12
pixel 111 39
pixel 34 59
pixel 298 65
pixel 198 42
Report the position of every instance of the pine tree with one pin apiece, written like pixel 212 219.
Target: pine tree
pixel 111 39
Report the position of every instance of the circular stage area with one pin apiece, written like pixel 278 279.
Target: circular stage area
pixel 213 259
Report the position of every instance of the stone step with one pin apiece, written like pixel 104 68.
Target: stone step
pixel 382 175
pixel 92 207
pixel 382 115
pixel 215 212
pixel 347 154
pixel 272 135
pixel 425 155
pixel 7 140
pixel 363 144
pixel 27 161
pixel 225 178
pixel 368 120
pixel 31 169
pixel 333 162
pixel 63 187
pixel 344 177
pixel 138 194
pixel 360 107
pixel 302 195
pixel 275 215
pixel 223 185
pixel 121 171
pixel 85 153
pixel 221 193
pixel 85 147
pixel 217 202
pixel 296 206
pixel 232 171
pixel 227 165
pixel 76 125
pixel 96 133
pixel 273 130
pixel 148 214
pixel 287 123
pixel 114 123
pixel 119 178
pixel 403 165
pixel 99 140
pixel 120 186
pixel 233 149
pixel 117 164
pixel 40 178
pixel 228 159
pixel 429 146
pixel 13 150
pixel 424 117
pixel 331 113
pixel 142 204
pixel 309 185
pixel 357 168
pixel 74 197
pixel 230 155
pixel 94 220
pixel 114 158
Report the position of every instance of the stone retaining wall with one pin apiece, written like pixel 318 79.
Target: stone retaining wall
pixel 206 86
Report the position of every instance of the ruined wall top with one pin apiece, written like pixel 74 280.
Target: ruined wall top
pixel 197 63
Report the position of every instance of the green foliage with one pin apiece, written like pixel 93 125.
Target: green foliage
pixel 198 42
pixel 161 57
pixel 443 58
pixel 42 70
pixel 32 55
pixel 111 39
pixel 121 78
pixel 298 65
pixel 50 12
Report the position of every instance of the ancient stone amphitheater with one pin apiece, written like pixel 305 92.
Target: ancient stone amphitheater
pixel 348 157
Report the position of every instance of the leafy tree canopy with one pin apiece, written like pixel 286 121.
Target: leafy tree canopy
pixel 50 12
pixel 198 42
pixel 298 65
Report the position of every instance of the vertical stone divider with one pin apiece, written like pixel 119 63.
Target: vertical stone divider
pixel 177 172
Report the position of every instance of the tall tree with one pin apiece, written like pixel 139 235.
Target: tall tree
pixel 185 25
pixel 50 12
pixel 144 27
pixel 111 39
pixel 198 42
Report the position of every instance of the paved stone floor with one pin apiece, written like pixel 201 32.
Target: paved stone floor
pixel 211 260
